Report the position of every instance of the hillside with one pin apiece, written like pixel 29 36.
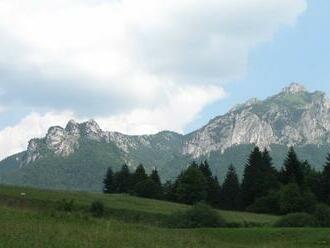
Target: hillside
pixel 76 157
pixel 130 222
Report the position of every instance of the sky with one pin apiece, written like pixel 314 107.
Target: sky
pixel 140 67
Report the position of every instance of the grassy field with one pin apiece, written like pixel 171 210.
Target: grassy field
pixel 24 222
pixel 117 205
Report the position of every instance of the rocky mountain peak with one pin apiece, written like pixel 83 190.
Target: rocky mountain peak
pixel 73 127
pixel 90 127
pixel 294 88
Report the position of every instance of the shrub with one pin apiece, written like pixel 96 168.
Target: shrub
pixel 268 204
pixel 148 189
pixel 200 215
pixel 292 200
pixel 65 205
pixel 322 215
pixel 97 209
pixel 297 220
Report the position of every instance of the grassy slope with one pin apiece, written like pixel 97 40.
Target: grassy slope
pixel 123 203
pixel 27 229
pixel 22 226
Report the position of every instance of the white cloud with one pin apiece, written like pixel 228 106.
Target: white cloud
pixel 138 66
pixel 185 105
pixel 15 139
pixel 131 50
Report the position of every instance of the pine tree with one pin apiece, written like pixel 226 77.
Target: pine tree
pixel 230 191
pixel 253 181
pixel 325 182
pixel 270 174
pixel 155 177
pixel 205 169
pixel 122 180
pixel 108 182
pixel 292 172
pixel 213 187
pixel 139 175
pixel 191 185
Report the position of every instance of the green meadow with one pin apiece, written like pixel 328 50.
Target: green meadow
pixel 33 220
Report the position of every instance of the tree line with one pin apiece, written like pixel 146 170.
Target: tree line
pixel 296 187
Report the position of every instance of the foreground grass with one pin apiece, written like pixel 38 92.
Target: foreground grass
pixel 24 228
pixel 120 206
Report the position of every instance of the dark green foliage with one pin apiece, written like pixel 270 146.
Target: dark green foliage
pixel 325 182
pixel 65 205
pixel 122 180
pixel 292 172
pixel 213 187
pixel 254 179
pixel 191 186
pixel 169 191
pixel 292 199
pixel 97 209
pixel 230 191
pixel 198 216
pixel 148 189
pixel 269 204
pixel 312 180
pixel 155 177
pixel 270 174
pixel 108 182
pixel 138 176
pixel 322 215
pixel 297 220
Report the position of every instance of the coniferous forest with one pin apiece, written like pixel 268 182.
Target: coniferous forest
pixel 296 188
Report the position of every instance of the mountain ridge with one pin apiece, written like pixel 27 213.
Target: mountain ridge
pixel 293 117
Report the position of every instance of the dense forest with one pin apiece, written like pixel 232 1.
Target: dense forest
pixel 296 187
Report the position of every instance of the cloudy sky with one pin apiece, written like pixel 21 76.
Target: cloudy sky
pixel 143 66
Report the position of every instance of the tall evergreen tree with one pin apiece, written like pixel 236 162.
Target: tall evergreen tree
pixel 213 187
pixel 253 179
pixel 108 182
pixel 122 180
pixel 230 191
pixel 270 174
pixel 205 169
pixel 191 185
pixel 325 182
pixel 139 175
pixel 155 177
pixel 292 172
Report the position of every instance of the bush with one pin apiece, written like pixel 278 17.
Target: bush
pixel 322 215
pixel 65 205
pixel 268 204
pixel 148 189
pixel 200 215
pixel 292 200
pixel 297 220
pixel 97 209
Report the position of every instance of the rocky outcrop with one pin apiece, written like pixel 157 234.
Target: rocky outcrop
pixel 292 117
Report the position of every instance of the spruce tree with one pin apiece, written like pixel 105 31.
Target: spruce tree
pixel 122 180
pixel 292 172
pixel 230 191
pixel 270 174
pixel 191 185
pixel 108 182
pixel 139 175
pixel 253 179
pixel 325 182
pixel 155 177
pixel 213 187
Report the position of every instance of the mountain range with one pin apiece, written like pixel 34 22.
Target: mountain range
pixel 76 157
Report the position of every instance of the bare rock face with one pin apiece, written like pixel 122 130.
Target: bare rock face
pixel 292 117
